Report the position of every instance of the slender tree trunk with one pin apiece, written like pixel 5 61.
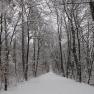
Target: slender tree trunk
pixel 92 61
pixel 79 52
pixel 68 50
pixel 60 45
pixel 38 51
pixel 61 56
pixel 88 54
pixel 90 72
pixel 27 56
pixel 1 36
pixel 6 56
pixel 79 55
pixel 34 54
pixel 1 43
pixel 70 65
pixel 74 52
pixel 23 45
pixel 14 56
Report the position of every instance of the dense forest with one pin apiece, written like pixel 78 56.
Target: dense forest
pixel 36 35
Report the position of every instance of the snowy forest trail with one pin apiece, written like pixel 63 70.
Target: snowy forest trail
pixel 51 83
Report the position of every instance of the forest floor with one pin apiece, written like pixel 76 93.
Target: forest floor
pixel 50 83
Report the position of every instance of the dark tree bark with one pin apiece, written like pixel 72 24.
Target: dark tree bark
pixel 79 52
pixel 27 56
pixel 78 67
pixel 61 56
pixel 34 54
pixel 91 62
pixel 14 56
pixel 6 56
pixel 79 56
pixel 38 52
pixel 68 65
pixel 60 45
pixel 23 44
pixel 1 36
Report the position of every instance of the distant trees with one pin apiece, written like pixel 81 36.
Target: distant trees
pixel 75 16
pixel 22 27
pixel 36 34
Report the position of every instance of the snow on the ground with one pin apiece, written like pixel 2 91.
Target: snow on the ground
pixel 51 83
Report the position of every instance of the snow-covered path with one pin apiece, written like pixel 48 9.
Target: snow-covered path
pixel 51 83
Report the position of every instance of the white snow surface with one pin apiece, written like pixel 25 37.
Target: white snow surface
pixel 50 83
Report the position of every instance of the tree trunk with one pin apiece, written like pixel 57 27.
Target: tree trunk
pixel 27 56
pixel 91 63
pixel 38 51
pixel 75 54
pixel 60 45
pixel 6 56
pixel 1 36
pixel 34 55
pixel 79 52
pixel 14 56
pixel 23 45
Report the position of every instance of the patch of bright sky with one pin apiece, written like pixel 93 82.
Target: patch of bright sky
pixel 46 12
pixel 51 17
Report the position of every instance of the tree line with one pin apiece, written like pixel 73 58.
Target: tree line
pixel 35 34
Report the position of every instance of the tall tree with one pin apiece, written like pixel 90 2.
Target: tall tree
pixel 23 34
